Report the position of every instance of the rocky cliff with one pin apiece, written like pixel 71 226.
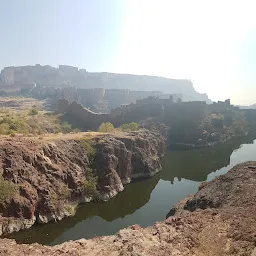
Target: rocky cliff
pixel 44 179
pixel 218 220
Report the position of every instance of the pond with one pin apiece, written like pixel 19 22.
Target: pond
pixel 145 201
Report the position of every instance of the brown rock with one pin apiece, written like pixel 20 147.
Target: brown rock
pixel 49 175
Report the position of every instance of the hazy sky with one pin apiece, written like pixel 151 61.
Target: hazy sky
pixel 213 43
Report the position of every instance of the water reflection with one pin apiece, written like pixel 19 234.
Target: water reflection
pixel 132 198
pixel 196 164
pixel 145 201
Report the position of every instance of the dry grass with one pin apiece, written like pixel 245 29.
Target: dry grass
pixel 20 103
pixel 21 122
pixel 20 115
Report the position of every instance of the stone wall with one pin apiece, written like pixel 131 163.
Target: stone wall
pixel 89 97
pixel 163 110
pixel 81 117
pixel 191 124
pixel 117 97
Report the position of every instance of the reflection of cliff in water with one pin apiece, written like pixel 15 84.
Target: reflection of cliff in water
pixel 196 164
pixel 135 195
pixel 132 198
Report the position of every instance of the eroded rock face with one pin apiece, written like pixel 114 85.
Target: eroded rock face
pixel 49 176
pixel 218 220
pixel 46 175
pixel 124 157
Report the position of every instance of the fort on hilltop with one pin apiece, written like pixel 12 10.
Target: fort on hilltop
pixel 89 88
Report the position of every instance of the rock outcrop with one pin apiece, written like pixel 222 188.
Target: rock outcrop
pixel 218 220
pixel 122 158
pixel 45 179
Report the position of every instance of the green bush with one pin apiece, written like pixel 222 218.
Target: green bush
pixel 23 122
pixel 129 127
pixel 4 128
pixel 65 127
pixel 106 127
pixel 76 130
pixel 133 126
pixel 239 126
pixel 90 184
pixel 124 127
pixel 217 121
pixel 60 196
pixel 33 112
pixel 7 189
pixel 87 144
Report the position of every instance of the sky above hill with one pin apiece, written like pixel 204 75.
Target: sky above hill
pixel 213 43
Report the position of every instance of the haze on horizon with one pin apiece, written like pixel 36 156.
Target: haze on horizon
pixel 213 43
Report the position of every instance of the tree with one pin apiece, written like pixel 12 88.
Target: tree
pixel 129 127
pixel 106 127
pixel 124 127
pixel 65 127
pixel 133 126
pixel 240 126
pixel 217 121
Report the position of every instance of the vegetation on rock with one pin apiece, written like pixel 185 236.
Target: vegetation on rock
pixel 106 127
pixel 7 189
pixel 90 184
pixel 239 125
pixel 87 144
pixel 65 127
pixel 129 127
pixel 58 199
pixel 217 120
pixel 209 128
pixel 22 122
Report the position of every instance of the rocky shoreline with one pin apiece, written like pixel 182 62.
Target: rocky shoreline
pixel 47 178
pixel 218 220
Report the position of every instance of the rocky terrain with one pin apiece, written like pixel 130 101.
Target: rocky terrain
pixel 220 219
pixel 43 179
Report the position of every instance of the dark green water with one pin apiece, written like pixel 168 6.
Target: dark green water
pixel 146 201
